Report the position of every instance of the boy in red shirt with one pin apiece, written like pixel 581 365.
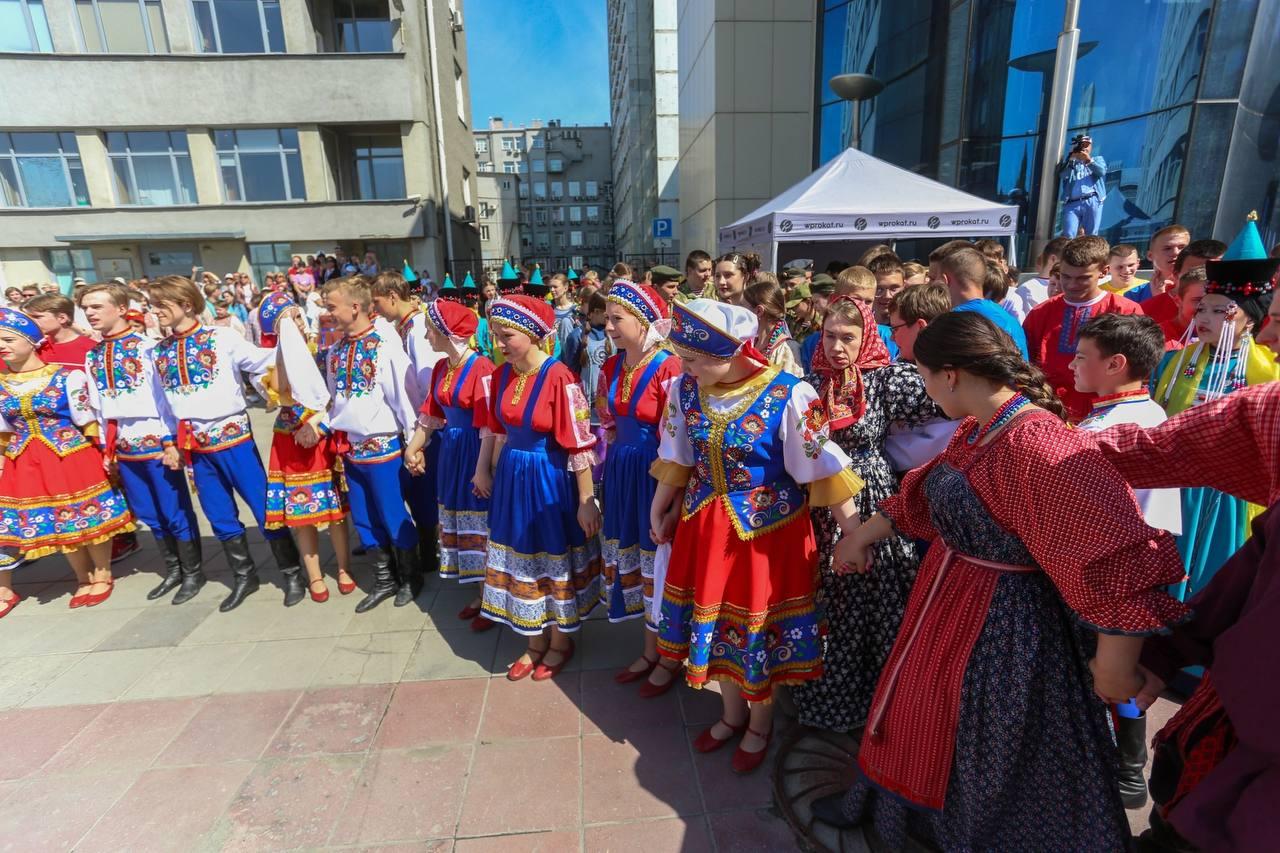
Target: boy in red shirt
pixel 62 344
pixel 1164 307
pixel 1053 327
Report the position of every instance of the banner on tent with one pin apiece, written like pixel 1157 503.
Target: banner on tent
pixel 786 227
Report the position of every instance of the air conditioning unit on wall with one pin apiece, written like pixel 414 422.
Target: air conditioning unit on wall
pixel 455 20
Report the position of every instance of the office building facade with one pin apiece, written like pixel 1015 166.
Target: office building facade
pixel 1176 94
pixel 563 183
pixel 746 109
pixel 644 92
pixel 150 138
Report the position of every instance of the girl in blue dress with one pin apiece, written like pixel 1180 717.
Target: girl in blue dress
pixel 543 571
pixel 631 396
pixel 457 404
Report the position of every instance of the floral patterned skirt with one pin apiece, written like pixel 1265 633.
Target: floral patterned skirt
pixel 303 489
pixel 742 611
pixel 50 504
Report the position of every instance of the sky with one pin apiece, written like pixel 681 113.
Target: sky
pixel 537 59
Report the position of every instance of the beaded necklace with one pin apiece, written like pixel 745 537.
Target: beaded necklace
pixel 1003 415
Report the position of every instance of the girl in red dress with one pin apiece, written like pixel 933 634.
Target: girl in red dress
pixel 305 491
pixel 54 493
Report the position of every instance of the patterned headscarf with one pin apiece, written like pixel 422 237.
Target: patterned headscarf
pixel 842 389
pixel 16 321
pixel 525 314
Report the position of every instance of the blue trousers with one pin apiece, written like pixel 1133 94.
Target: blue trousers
pixel 420 492
pixel 159 498
pixel 377 493
pixel 1083 213
pixel 223 474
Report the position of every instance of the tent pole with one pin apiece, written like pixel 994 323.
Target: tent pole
pixel 773 257
pixel 1013 250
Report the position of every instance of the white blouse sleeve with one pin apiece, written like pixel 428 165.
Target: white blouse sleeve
pixel 78 402
pixel 808 453
pixel 395 375
pixel 249 360
pixel 674 445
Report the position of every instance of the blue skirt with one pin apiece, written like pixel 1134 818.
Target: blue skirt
pixel 627 590
pixel 541 569
pixel 464 518
pixel 1214 526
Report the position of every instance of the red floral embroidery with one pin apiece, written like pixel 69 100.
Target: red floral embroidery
pixel 762 497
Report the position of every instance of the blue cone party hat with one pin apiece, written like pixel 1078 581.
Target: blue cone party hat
pixel 1247 246
pixel 573 276
pixel 468 283
pixel 448 283
pixel 409 274
pixel 536 278
pixel 508 271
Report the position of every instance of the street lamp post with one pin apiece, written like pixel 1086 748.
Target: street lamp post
pixel 856 88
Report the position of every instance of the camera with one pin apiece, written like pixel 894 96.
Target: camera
pixel 1080 142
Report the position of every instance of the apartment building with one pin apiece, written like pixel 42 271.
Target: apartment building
pixel 150 137
pixel 562 179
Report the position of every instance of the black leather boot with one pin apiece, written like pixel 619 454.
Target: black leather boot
pixel 384 581
pixel 172 567
pixel 285 551
pixel 409 576
pixel 246 574
pixel 1131 738
pixel 429 550
pixel 192 570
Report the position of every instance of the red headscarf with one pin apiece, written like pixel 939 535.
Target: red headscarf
pixel 841 389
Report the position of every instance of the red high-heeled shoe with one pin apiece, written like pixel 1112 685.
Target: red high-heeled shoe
pixel 482 623
pixel 471 611
pixel 318 597
pixel 707 742
pixel 347 587
pixel 745 762
pixel 9 604
pixel 543 672
pixel 78 600
pixel 97 598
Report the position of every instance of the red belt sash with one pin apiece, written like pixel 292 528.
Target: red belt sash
pixel 109 441
pixel 908 745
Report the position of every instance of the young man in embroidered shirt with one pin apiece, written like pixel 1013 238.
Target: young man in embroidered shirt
pixel 367 376
pixel 391 300
pixel 1053 328
pixel 202 371
pixel 139 435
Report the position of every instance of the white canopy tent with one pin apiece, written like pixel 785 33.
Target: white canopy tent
pixel 859 197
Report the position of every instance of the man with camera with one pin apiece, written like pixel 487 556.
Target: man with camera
pixel 1083 188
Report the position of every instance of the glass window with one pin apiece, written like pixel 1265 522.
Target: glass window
pixel 41 170
pixel 482 145
pixel 508 143
pixel 524 190
pixel 593 189
pixel 575 215
pixel 260 165
pixel 519 143
pixel 509 168
pixel 540 190
pixel 459 93
pixel 379 166
pixel 522 167
pixel 539 165
pixel 557 165
pixel 362 26
pixel 557 189
pixel 593 214
pixel 466 187
pixel 70 264
pixel 239 26
pixel 538 142
pixel 575 189
pixel 122 26
pixel 575 238
pixel 151 167
pixel 540 216
pixel 269 257
pixel 484 232
pixel 24 27
pixel 543 241
pixel 484 166
pixel 557 215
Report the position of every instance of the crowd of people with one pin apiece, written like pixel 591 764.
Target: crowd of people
pixel 902 490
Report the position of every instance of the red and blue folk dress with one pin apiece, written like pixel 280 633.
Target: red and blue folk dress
pixel 738 605
pixel 304 484
pixel 542 569
pixel 630 409
pixel 457 406
pixel 54 493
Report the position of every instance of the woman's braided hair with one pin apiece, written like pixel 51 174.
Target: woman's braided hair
pixel 964 340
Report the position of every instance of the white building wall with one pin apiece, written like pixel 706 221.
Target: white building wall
pixel 746 70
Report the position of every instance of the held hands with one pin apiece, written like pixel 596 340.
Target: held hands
pixel 171 458
pixel 1119 685
pixel 416 462
pixel 662 523
pixel 852 555
pixel 1152 687
pixel 589 516
pixel 306 436
pixel 482 482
